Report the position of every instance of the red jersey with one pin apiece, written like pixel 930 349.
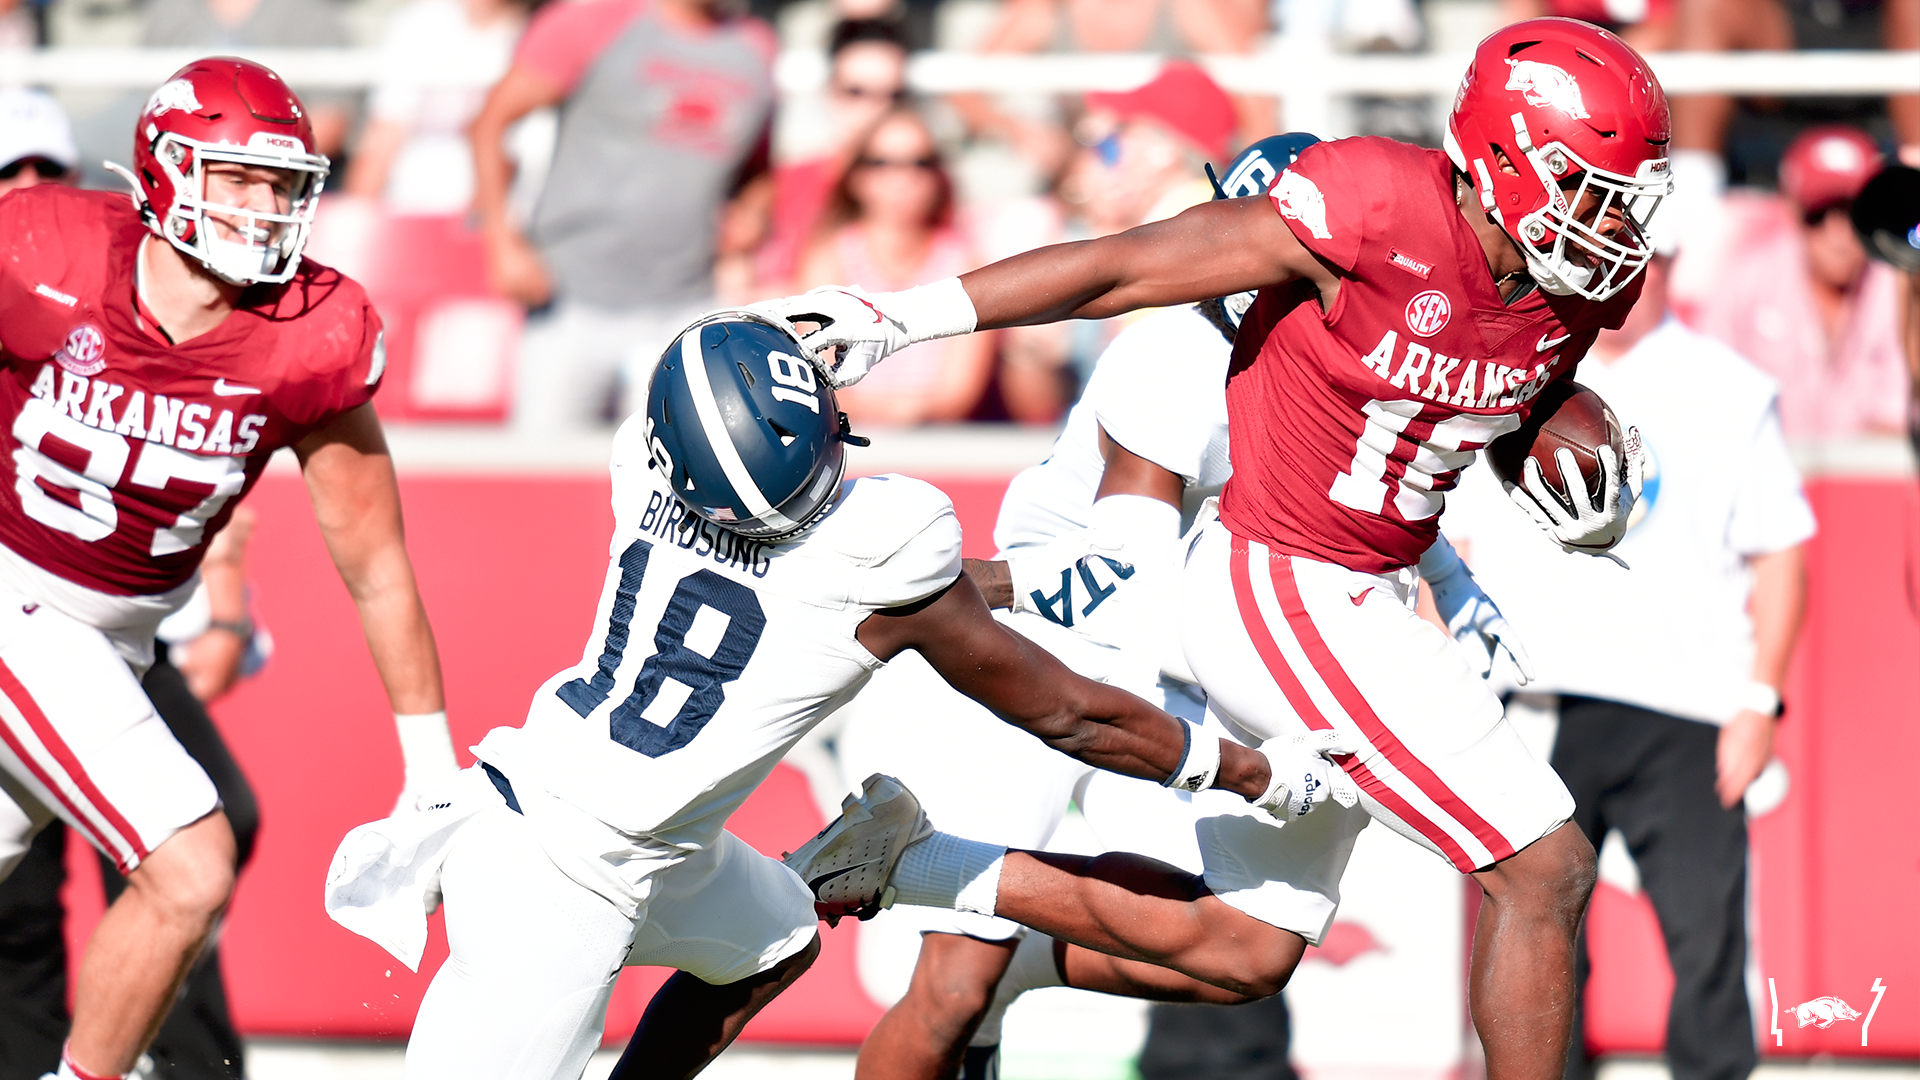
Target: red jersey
pixel 121 454
pixel 1346 427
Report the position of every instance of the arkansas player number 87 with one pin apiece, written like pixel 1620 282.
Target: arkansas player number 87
pixel 69 484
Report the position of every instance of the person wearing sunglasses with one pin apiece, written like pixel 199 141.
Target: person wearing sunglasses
pixel 1787 283
pixel 889 223
pixel 36 141
pixel 867 75
pixel 1140 160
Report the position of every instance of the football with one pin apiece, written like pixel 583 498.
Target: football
pixel 1567 415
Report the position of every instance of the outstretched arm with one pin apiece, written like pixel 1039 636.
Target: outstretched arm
pixel 1213 249
pixel 1026 686
pixel 356 500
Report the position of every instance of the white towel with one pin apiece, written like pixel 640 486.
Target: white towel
pixel 385 878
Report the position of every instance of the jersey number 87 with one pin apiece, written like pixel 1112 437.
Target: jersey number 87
pixel 93 516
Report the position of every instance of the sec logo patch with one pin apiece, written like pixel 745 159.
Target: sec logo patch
pixel 84 352
pixel 1427 314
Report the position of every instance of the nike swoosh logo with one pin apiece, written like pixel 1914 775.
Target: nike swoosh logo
pixel 832 874
pixel 227 389
pixel 1360 596
pixel 879 317
pixel 1545 344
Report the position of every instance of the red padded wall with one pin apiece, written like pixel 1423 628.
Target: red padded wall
pixel 511 568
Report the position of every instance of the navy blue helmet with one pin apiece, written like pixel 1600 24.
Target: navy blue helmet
pixel 1251 173
pixel 744 428
pixel 1259 165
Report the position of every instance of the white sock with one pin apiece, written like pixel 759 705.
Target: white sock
pixel 1032 968
pixel 944 871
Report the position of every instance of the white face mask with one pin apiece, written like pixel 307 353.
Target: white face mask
pixel 239 261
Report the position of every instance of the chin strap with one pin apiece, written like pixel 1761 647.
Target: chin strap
pixel 139 197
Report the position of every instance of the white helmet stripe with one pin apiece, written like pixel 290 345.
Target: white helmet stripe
pixel 717 436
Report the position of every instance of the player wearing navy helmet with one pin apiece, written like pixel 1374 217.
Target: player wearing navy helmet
pixel 750 591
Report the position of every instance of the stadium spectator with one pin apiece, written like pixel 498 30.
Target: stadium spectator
pixel 414 155
pixel 202 651
pixel 230 25
pixel 889 225
pixel 1141 161
pixel 36 141
pixel 1647 25
pixel 867 76
pixel 1114 26
pixel 1701 121
pixel 664 131
pixel 19 24
pixel 1786 283
pixel 1662 731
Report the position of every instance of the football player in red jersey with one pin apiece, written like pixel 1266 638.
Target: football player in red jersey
pixel 1412 305
pixel 153 355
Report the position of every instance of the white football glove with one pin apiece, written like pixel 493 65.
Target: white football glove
pixel 1303 778
pixel 1587 530
pixel 1470 614
pixel 426 754
pixel 866 328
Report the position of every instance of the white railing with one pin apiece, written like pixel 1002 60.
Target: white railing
pixel 1283 72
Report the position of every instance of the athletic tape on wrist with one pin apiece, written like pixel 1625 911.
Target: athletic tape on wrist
pixel 1199 763
pixel 426 745
pixel 942 309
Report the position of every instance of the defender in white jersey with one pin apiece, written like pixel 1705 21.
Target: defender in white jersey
pixel 1088 558
pixel 750 592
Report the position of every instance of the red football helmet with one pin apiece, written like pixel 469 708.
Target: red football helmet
pixel 1552 111
pixel 223 109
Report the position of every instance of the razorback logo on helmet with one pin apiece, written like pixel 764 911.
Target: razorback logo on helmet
pixel 177 94
pixel 1299 198
pixel 84 352
pixel 1427 314
pixel 1546 85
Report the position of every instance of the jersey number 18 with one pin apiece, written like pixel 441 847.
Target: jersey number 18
pixel 704 677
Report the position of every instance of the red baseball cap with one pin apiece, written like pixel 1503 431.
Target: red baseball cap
pixel 1184 100
pixel 1826 166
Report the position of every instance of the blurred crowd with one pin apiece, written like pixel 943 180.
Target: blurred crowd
pixel 534 242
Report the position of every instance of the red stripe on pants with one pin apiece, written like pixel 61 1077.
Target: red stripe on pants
pixel 1263 642
pixel 1377 733
pixel 11 686
pixel 1302 703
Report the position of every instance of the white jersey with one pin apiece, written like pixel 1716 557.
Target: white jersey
pixel 1108 576
pixel 712 654
pixel 1160 391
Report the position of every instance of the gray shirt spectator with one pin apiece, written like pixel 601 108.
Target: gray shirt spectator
pixel 665 110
